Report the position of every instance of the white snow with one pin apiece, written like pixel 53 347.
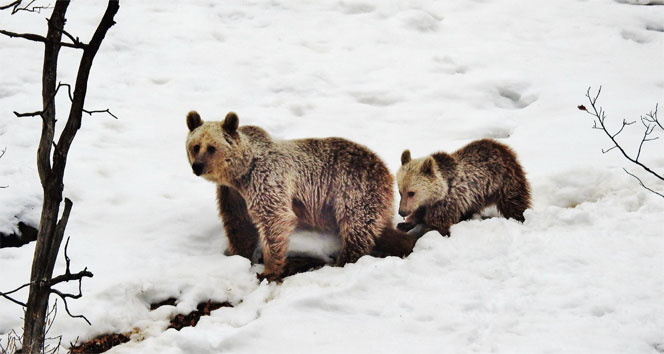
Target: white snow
pixel 583 274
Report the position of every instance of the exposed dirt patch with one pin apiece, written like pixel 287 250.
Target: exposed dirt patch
pixel 168 302
pixel 106 342
pixel 191 320
pixel 100 344
pixel 25 234
pixel 294 265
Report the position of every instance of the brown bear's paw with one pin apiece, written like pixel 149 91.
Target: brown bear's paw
pixel 405 226
pixel 270 277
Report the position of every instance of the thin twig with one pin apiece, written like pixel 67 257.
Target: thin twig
pixel 15 3
pixel 25 8
pixel 64 296
pixel 76 41
pixel 6 295
pixel 107 110
pixel 609 149
pixel 643 185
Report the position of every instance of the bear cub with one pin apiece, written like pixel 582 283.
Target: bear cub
pixel 442 189
pixel 266 188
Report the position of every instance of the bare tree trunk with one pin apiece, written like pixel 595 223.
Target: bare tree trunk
pixel 42 268
pixel 51 231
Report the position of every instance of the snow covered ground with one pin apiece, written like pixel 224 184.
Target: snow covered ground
pixel 583 274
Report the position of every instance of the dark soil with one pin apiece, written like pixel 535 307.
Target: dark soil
pixel 25 235
pixel 191 320
pixel 100 344
pixel 108 341
pixel 168 302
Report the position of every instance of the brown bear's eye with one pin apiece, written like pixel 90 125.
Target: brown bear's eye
pixel 411 194
pixel 211 149
pixel 196 148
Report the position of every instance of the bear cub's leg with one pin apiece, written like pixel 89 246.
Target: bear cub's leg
pixel 514 198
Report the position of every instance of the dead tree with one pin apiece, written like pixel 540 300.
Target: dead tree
pixel 52 159
pixel 650 123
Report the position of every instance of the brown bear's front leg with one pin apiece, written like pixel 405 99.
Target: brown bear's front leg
pixel 240 230
pixel 275 225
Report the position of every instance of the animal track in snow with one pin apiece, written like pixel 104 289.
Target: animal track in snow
pixel 5 93
pixel 634 36
pixel 512 96
pixel 641 2
pixel 159 80
pixel 655 27
pixel 447 65
pixel 356 7
pixel 376 98
pixel 422 21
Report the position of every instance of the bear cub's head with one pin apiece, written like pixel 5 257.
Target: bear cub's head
pixel 420 183
pixel 216 150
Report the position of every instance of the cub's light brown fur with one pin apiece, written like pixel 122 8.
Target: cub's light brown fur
pixel 268 187
pixel 443 189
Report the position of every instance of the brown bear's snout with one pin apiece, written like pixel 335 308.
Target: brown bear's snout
pixel 197 167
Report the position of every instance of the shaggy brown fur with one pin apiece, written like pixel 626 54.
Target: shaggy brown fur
pixel 268 188
pixel 443 189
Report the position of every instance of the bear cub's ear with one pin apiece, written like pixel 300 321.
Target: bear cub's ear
pixel 193 120
pixel 405 157
pixel 428 165
pixel 230 123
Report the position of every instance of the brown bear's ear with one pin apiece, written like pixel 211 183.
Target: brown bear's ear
pixel 193 120
pixel 428 165
pixel 230 123
pixel 405 157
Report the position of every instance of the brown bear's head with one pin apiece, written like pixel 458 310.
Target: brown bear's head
pixel 420 183
pixel 216 150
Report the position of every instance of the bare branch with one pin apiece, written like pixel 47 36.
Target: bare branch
pixel 16 7
pixel 15 3
pixel 37 38
pixel 107 110
pixel 71 98
pixel 80 90
pixel 624 124
pixel 598 113
pixel 67 277
pixel 75 41
pixel 6 295
pixel 64 297
pixel 643 185
pixel 28 36
pixel 29 114
pixel 609 149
